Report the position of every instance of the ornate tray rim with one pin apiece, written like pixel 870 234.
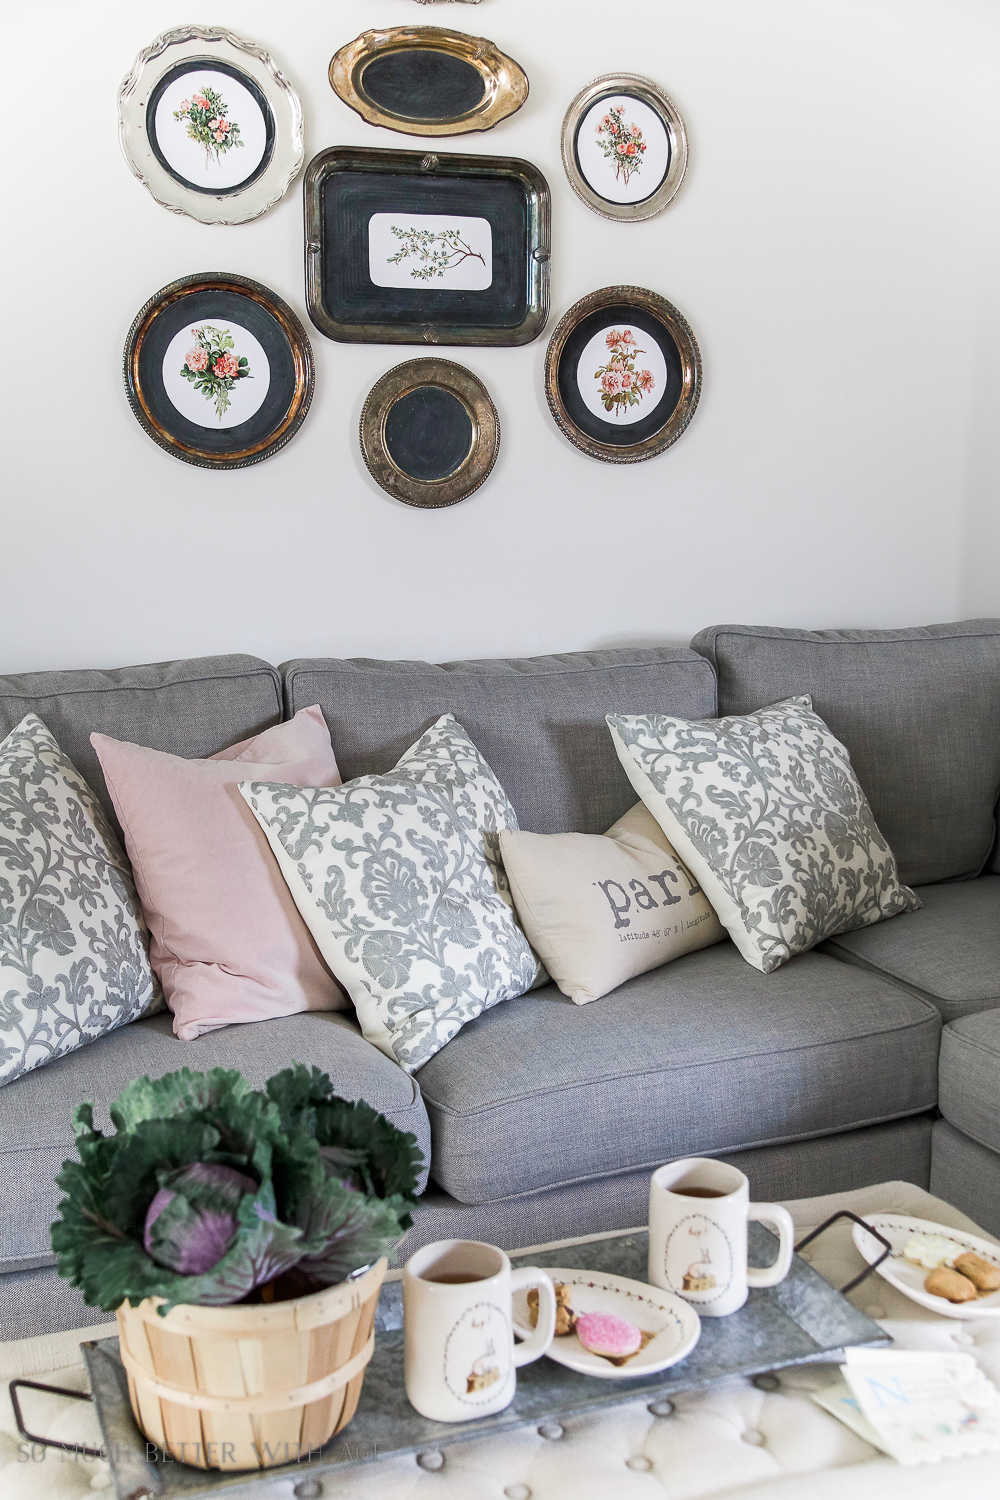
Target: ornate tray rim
pixel 683 336
pixel 506 81
pixel 301 353
pixel 286 107
pixel 474 469
pixel 413 163
pixel 662 105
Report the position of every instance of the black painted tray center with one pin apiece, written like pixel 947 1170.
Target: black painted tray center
pixel 428 433
pixel 421 84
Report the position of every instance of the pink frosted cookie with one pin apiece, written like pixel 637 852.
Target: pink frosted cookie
pixel 603 1333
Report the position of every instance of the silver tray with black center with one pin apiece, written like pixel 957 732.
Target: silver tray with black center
pixel 429 432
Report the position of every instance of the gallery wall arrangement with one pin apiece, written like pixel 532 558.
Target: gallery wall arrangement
pixel 402 246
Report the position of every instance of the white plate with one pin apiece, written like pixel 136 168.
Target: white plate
pixel 897 1229
pixel 675 1326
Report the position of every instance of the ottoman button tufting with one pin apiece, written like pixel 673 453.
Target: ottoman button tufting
pixel 517 1492
pixel 641 1464
pixel 431 1459
pixel 662 1407
pixel 552 1431
pixel 307 1489
pixel 757 1439
pixel 767 1382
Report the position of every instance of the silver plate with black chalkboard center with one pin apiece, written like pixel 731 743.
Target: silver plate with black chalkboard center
pixel 429 432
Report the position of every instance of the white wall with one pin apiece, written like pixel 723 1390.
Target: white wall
pixel 834 247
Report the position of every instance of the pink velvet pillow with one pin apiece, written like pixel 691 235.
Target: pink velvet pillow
pixel 225 937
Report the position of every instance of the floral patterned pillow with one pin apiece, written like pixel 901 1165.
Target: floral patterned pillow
pixel 399 879
pixel 73 945
pixel 767 812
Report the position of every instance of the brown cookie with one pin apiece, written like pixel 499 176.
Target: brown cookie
pixel 985 1276
pixel 565 1316
pixel 951 1285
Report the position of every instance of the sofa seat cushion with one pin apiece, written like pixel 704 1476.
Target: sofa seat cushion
pixel 919 712
pixel 969 1079
pixel 704 1055
pixel 36 1133
pixel 949 951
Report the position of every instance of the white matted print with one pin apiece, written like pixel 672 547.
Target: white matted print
pixel 623 149
pixel 210 129
pixel 216 374
pixel 428 250
pixel 621 374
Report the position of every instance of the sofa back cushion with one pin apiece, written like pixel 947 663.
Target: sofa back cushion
pixel 190 708
pixel 538 722
pixel 919 711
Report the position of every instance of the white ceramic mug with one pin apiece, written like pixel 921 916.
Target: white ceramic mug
pixel 460 1352
pixel 698 1213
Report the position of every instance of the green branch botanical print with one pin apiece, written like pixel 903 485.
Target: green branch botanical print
pixel 213 368
pixel 621 383
pixel 205 115
pixel 436 253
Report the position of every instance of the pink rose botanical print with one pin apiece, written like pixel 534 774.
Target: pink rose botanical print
pixel 205 116
pixel 213 367
pixel 621 143
pixel 622 385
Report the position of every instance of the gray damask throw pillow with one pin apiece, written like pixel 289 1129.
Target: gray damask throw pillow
pixel 768 814
pixel 73 945
pixel 400 881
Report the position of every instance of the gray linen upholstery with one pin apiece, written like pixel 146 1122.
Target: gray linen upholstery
pixel 828 1164
pixel 36 1133
pixel 966 1175
pixel 969 1076
pixel 949 951
pixel 538 722
pixel 703 1055
pixel 190 708
pixel 919 712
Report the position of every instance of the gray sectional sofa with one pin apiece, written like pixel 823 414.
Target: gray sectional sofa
pixel 542 1119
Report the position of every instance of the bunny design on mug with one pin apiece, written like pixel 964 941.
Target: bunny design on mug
pixel 697 1259
pixel 473 1370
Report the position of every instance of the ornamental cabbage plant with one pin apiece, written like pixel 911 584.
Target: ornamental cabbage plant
pixel 210 1192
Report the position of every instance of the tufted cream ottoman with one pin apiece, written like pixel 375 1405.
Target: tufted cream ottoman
pixel 734 1440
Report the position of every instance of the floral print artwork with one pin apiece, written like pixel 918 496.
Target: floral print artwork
pixel 213 367
pixel 399 878
pixel 766 811
pixel 622 143
pixel 435 254
pixel 205 116
pixel 622 385
pixel 73 959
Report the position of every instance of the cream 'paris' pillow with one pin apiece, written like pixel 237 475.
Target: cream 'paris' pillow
pixel 73 945
pixel 766 811
pixel 599 908
pixel 399 879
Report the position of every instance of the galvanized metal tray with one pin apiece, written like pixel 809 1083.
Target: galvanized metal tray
pixel 801 1321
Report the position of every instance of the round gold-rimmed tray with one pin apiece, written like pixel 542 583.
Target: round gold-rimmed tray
pixel 426 80
pixel 624 147
pixel 218 370
pixel 429 432
pixel 622 374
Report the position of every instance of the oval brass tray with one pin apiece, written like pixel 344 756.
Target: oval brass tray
pixel 426 80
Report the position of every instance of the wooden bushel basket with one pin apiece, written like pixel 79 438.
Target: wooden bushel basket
pixel 249 1386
